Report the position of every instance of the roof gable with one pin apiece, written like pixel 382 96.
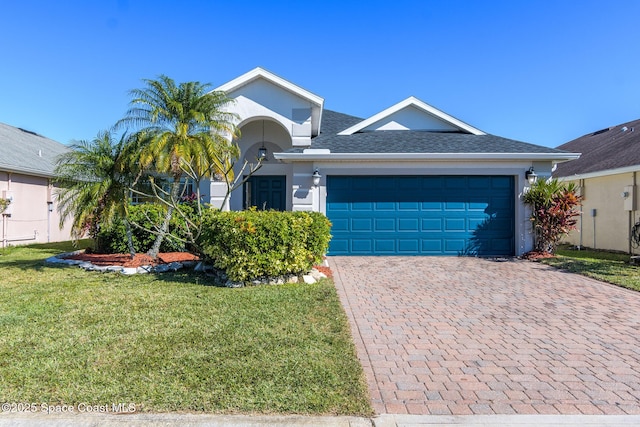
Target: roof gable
pixel 277 94
pixel 412 114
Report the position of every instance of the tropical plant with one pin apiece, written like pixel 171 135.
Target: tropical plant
pixel 4 204
pixel 187 133
pixel 93 181
pixel 554 208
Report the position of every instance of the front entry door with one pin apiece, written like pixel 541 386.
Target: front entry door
pixel 266 192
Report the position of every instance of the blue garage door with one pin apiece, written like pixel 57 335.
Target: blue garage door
pixel 421 215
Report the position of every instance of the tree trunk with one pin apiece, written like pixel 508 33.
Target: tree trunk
pixel 132 250
pixel 164 228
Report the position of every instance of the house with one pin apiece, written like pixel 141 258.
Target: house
pixel 606 174
pixel 410 180
pixel 27 162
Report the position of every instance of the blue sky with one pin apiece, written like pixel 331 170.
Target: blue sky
pixel 543 72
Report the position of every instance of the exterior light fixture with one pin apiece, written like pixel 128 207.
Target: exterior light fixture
pixel 262 151
pixel 50 206
pixel 316 177
pixel 531 176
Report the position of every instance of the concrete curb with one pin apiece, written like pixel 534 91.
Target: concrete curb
pixel 171 420
pixel 391 420
pixel 385 420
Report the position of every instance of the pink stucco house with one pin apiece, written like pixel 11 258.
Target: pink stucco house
pixel 27 162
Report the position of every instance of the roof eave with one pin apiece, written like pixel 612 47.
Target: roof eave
pixel 27 171
pixel 597 174
pixel 555 157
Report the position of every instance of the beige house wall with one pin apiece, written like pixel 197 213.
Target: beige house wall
pixel 614 214
pixel 30 220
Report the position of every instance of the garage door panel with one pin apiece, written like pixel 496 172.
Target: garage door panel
pixel 361 206
pixel 431 246
pixel 408 224
pixel 480 182
pixel 385 206
pixel 408 206
pixel 431 224
pixel 431 206
pixel 442 215
pixel 408 246
pixel 362 224
pixel 454 206
pixel 455 182
pixel 385 224
pixel 340 224
pixel 454 246
pixel 361 245
pixel 385 246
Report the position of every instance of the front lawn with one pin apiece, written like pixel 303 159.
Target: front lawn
pixel 172 342
pixel 606 266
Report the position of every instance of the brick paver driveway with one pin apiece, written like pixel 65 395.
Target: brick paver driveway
pixel 472 336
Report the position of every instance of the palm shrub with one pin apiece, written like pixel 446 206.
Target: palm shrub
pixel 554 208
pixel 255 244
pixel 145 218
pixel 93 181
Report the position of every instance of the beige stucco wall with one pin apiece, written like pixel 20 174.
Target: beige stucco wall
pixel 30 220
pixel 610 227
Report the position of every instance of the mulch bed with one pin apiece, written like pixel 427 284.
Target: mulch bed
pixel 537 255
pixel 139 260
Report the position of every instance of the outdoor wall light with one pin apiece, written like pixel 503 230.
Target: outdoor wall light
pixel 531 176
pixel 316 177
pixel 262 153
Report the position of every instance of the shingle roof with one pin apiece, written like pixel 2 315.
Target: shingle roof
pixel 27 152
pixel 609 148
pixel 334 122
pixel 408 141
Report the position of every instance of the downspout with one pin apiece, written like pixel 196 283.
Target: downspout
pixel 631 212
pixel 581 212
pixel 4 216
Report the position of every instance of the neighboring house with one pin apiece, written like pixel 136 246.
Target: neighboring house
pixel 606 174
pixel 27 162
pixel 410 180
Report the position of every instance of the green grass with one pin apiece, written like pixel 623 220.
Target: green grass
pixel 606 266
pixel 172 342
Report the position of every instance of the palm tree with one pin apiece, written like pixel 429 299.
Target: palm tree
pixel 93 184
pixel 186 126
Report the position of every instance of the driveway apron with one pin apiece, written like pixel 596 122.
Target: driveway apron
pixel 464 336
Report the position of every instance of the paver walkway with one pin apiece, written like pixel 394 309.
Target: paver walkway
pixel 461 336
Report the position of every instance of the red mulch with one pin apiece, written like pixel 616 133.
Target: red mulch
pixel 325 270
pixel 125 260
pixel 536 255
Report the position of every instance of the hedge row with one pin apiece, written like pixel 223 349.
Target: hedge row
pixel 246 245
pixel 254 244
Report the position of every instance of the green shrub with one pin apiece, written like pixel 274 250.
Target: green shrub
pixel 113 239
pixel 254 244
